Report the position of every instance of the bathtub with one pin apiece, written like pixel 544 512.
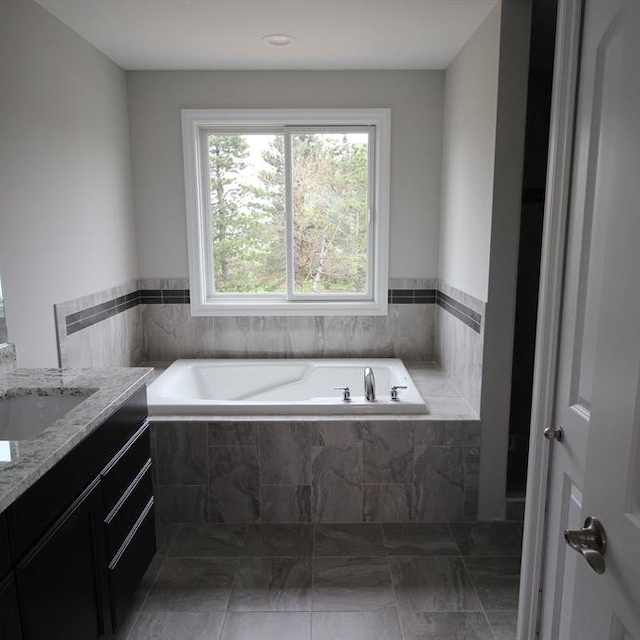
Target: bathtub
pixel 276 387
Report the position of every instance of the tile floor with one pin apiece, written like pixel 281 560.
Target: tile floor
pixel 452 581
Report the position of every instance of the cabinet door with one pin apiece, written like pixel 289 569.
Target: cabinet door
pixel 62 581
pixel 9 615
pixel 5 555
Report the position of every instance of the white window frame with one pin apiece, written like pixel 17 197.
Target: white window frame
pixel 203 302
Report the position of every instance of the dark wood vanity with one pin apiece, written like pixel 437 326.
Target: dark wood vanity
pixel 75 545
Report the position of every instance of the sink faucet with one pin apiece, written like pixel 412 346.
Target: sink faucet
pixel 369 384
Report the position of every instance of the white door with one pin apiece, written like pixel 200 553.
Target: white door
pixel 595 468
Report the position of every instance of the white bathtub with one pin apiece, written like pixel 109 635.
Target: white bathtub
pixel 275 387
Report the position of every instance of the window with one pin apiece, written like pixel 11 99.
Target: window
pixel 287 211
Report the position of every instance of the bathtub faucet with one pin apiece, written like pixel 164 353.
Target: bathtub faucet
pixel 369 384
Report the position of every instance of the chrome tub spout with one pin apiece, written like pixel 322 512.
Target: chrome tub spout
pixel 369 384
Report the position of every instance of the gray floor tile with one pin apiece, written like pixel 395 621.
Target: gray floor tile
pixel 272 584
pixel 445 626
pixel 170 625
pixel 209 540
pixel 126 626
pixel 144 588
pixel 417 539
pixel 504 624
pixel 497 581
pixel 273 540
pixel 192 585
pixel 349 540
pixel 351 584
pixel 267 626
pixel 166 533
pixel 182 503
pixel 355 625
pixel 488 538
pixel 433 584
pixel 272 594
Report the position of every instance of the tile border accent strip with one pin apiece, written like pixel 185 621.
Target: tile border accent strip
pixel 412 296
pixel 92 315
pixel 79 320
pixel 164 296
pixel 465 314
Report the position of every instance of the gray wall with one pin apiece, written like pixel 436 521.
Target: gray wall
pixel 471 94
pixel 503 265
pixel 470 106
pixel 416 100
pixel 66 220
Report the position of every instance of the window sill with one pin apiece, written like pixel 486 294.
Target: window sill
pixel 251 308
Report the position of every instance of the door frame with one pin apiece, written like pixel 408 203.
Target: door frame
pixel 559 170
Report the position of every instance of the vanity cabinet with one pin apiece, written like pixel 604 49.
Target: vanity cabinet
pixel 83 535
pixel 9 612
pixel 5 554
pixel 61 581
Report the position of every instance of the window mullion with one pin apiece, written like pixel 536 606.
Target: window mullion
pixel 289 239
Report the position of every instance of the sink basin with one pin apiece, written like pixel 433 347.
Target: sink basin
pixel 26 416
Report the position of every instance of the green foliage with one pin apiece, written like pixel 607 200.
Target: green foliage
pixel 330 209
pixel 247 227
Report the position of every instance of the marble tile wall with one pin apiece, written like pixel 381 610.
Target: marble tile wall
pixel 316 471
pixel 106 339
pixel 170 332
pixel 458 347
pixel 149 320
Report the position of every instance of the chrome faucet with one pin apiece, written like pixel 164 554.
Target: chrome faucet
pixel 369 384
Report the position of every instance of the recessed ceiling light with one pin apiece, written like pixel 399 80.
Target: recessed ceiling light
pixel 278 39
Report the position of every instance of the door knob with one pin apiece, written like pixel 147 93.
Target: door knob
pixel 590 542
pixel 554 433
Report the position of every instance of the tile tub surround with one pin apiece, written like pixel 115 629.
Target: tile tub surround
pixel 149 320
pixel 298 471
pixel 459 341
pixel 153 316
pixel 407 332
pixel 33 458
pixel 330 582
pixel 103 329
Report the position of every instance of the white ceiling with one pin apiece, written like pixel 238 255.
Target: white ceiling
pixel 227 34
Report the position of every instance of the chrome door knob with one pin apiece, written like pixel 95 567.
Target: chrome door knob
pixel 590 542
pixel 554 433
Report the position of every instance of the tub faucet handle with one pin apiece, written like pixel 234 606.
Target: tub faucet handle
pixel 346 394
pixel 394 392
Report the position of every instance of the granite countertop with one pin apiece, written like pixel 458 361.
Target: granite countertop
pixel 31 459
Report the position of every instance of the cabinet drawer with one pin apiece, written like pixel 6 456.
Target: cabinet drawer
pixel 127 569
pixel 5 554
pixel 123 469
pixel 122 519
